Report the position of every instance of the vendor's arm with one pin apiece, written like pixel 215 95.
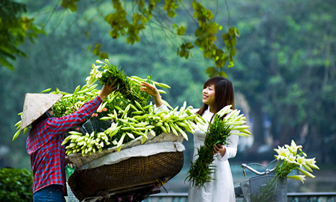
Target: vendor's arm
pixel 107 89
pixel 62 124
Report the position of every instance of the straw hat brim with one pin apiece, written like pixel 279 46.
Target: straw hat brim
pixel 35 105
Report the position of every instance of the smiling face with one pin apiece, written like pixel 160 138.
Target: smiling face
pixel 217 93
pixel 209 96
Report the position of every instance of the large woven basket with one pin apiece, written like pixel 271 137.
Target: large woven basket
pixel 136 177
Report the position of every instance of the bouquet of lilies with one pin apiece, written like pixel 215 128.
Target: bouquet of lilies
pixel 290 158
pixel 293 158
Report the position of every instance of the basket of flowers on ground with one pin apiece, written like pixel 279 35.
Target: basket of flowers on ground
pixel 127 149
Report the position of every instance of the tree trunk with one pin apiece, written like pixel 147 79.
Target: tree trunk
pixel 258 125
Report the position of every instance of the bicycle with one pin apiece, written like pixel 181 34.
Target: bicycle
pixel 258 180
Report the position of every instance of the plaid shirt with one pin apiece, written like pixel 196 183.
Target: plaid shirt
pixel 47 155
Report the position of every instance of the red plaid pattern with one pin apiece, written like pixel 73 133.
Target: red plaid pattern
pixel 44 146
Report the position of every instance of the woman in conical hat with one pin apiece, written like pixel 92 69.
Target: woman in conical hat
pixel 47 155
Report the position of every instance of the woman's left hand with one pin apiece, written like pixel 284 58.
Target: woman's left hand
pixel 218 148
pixel 151 90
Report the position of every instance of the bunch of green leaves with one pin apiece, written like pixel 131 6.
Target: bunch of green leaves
pixel 128 88
pixel 133 91
pixel 115 73
pixel 200 171
pixel 15 185
pixel 71 102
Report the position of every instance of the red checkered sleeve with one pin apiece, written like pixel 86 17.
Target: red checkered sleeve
pixel 62 124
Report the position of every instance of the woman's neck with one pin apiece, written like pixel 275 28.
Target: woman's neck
pixel 212 109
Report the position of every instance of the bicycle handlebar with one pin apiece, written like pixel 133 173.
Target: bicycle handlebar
pixel 245 166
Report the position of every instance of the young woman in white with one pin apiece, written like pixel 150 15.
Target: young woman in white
pixel 217 93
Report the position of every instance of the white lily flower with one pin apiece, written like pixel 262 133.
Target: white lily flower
pixel 241 134
pixel 306 166
pixel 230 118
pixel 306 173
pixel 227 109
pixel 202 127
pixel 301 178
pixel 301 160
pixel 283 153
pixel 293 147
pixel 100 62
pixel 312 163
pixel 291 159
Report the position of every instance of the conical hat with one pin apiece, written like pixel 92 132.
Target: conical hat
pixel 35 105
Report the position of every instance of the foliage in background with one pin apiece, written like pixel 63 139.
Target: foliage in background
pixel 286 77
pixel 14 29
pixel 132 18
pixel 16 185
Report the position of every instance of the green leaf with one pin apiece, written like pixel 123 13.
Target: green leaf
pixel 194 5
pixel 233 41
pixel 209 14
pixel 212 28
pixel 189 45
pixel 230 64
pixel 46 90
pixel 233 52
pixel 181 30
pixel 198 32
pixel 210 70
pixel 226 36
pixel 223 74
pixel 16 135
pixel 232 31
pixel 186 55
pixel 237 32
pixel 144 20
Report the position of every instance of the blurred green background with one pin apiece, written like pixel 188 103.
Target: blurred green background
pixel 284 73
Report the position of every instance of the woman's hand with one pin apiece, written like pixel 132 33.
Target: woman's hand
pixel 218 148
pixel 151 90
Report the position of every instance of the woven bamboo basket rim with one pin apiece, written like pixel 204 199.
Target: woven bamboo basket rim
pixel 126 174
pixel 78 159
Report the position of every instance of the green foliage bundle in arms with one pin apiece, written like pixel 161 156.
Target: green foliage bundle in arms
pixel 200 170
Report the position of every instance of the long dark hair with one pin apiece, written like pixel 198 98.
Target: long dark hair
pixel 224 94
